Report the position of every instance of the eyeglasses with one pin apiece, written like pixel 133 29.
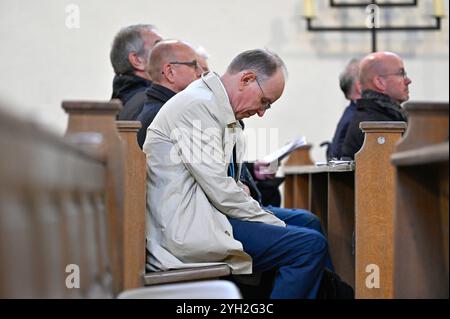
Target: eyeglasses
pixel 192 64
pixel 264 101
pixel 401 73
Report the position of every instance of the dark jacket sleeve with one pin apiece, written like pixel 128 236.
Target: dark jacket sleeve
pixel 353 140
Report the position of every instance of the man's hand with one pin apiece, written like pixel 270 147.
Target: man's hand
pixel 246 189
pixel 264 171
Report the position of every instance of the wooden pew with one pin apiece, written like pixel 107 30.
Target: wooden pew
pixel 334 193
pixel 330 191
pixel 100 118
pixel 421 268
pixel 374 202
pixel 83 117
pixel 52 215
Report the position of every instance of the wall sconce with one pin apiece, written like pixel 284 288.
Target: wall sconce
pixel 372 8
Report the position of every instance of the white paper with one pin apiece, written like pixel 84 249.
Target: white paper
pixel 279 154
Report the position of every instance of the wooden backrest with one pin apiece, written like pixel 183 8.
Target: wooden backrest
pixel 52 216
pixel 427 124
pixel 374 207
pixel 300 156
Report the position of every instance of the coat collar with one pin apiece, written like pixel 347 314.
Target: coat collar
pixel 213 82
pixel 159 92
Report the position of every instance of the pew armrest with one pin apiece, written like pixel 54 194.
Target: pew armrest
pixel 423 155
pixel 188 274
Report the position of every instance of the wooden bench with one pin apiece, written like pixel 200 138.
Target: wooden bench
pixel 53 215
pixel 334 191
pixel 374 209
pixel 421 268
pixel 100 118
pixel 330 191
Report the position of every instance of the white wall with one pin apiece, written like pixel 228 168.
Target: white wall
pixel 43 62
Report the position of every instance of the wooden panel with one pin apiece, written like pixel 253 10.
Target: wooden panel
pixel 421 240
pixel 296 188
pixel 301 192
pixel 134 206
pixel 318 194
pixel 341 223
pixel 374 203
pixel 288 194
pixel 421 267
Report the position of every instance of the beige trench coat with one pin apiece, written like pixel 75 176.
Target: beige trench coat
pixel 189 195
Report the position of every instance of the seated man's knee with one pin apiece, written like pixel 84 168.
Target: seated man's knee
pixel 313 221
pixel 313 241
pixel 318 243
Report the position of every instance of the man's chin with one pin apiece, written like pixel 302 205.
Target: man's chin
pixel 244 116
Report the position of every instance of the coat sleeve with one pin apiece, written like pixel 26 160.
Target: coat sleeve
pixel 200 143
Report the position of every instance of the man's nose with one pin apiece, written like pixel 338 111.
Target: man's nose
pixel 408 80
pixel 261 113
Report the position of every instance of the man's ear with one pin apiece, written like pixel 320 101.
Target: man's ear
pixel 136 61
pixel 168 73
pixel 246 79
pixel 379 83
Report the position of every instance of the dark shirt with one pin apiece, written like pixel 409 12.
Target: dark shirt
pixel 125 87
pixel 341 130
pixel 373 106
pixel 156 96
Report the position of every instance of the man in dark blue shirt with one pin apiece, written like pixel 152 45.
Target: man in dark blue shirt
pixel 350 85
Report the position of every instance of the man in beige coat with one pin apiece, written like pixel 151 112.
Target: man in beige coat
pixel 198 212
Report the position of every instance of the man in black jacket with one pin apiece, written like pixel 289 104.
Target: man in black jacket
pixel 172 67
pixel 350 86
pixel 129 57
pixel 384 86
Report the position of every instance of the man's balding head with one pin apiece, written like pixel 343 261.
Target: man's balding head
pixel 173 64
pixel 384 72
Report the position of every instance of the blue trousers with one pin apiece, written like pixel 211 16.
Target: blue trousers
pixel 301 218
pixel 297 253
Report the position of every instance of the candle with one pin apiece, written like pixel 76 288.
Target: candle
pixel 438 6
pixel 308 8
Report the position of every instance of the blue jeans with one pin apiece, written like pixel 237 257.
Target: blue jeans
pixel 301 218
pixel 298 253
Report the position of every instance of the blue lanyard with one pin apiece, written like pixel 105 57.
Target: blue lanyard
pixel 231 167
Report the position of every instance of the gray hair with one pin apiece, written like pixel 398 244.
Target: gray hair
pixel 127 40
pixel 348 77
pixel 264 62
